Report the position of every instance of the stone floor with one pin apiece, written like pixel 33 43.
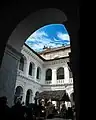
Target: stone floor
pixel 54 119
pixel 58 119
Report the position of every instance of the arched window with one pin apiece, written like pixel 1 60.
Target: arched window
pixel 21 65
pixel 29 96
pixel 38 73
pixel 31 69
pixel 49 74
pixel 18 93
pixel 70 74
pixel 60 73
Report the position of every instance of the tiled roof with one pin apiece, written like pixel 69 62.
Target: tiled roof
pixel 41 56
pixel 48 50
pixel 55 95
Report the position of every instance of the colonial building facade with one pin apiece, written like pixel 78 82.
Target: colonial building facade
pixel 45 71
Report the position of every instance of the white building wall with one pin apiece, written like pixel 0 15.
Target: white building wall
pixel 27 83
pixel 30 82
pixel 21 78
pixel 8 73
pixel 54 65
pixel 31 57
pixel 54 54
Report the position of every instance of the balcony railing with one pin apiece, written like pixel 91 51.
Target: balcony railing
pixel 71 80
pixel 48 82
pixel 60 81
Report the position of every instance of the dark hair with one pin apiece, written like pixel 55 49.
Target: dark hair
pixel 3 99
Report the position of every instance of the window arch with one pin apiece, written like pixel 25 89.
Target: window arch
pixel 29 96
pixel 48 74
pixel 70 74
pixel 21 64
pixel 31 69
pixel 38 73
pixel 18 93
pixel 60 73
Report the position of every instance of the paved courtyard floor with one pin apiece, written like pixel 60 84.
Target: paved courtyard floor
pixel 58 119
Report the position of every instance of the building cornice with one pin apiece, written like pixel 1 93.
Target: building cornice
pixel 56 85
pixel 59 61
pixel 31 53
pixel 13 52
pixel 28 79
pixel 54 49
pixel 34 52
pixel 42 57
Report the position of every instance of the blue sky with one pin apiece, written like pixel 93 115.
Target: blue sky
pixel 53 35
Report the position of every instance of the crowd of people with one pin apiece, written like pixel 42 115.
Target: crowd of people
pixel 17 111
pixel 68 113
pixel 23 112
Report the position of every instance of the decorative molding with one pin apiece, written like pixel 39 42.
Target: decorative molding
pixel 30 53
pixel 28 79
pixel 60 61
pixel 44 86
pixel 55 85
pixel 13 52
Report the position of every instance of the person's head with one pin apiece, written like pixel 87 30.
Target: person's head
pixel 3 100
pixel 18 101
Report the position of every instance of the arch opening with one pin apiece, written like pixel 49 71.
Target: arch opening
pixel 48 74
pixel 20 35
pixel 31 69
pixel 31 23
pixel 38 76
pixel 60 73
pixel 29 97
pixel 18 93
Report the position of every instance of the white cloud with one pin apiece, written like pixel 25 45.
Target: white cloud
pixel 63 36
pixel 40 38
pixel 37 46
pixel 67 42
pixel 38 34
pixel 56 40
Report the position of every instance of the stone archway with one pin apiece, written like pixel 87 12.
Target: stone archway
pixel 15 42
pixel 12 17
pixel 18 93
pixel 29 95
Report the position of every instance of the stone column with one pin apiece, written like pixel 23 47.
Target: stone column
pixel 75 64
pixel 30 98
pixel 24 97
pixel 73 26
pixel 54 79
pixel 35 75
pixel 66 74
pixel 27 63
pixel 8 73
